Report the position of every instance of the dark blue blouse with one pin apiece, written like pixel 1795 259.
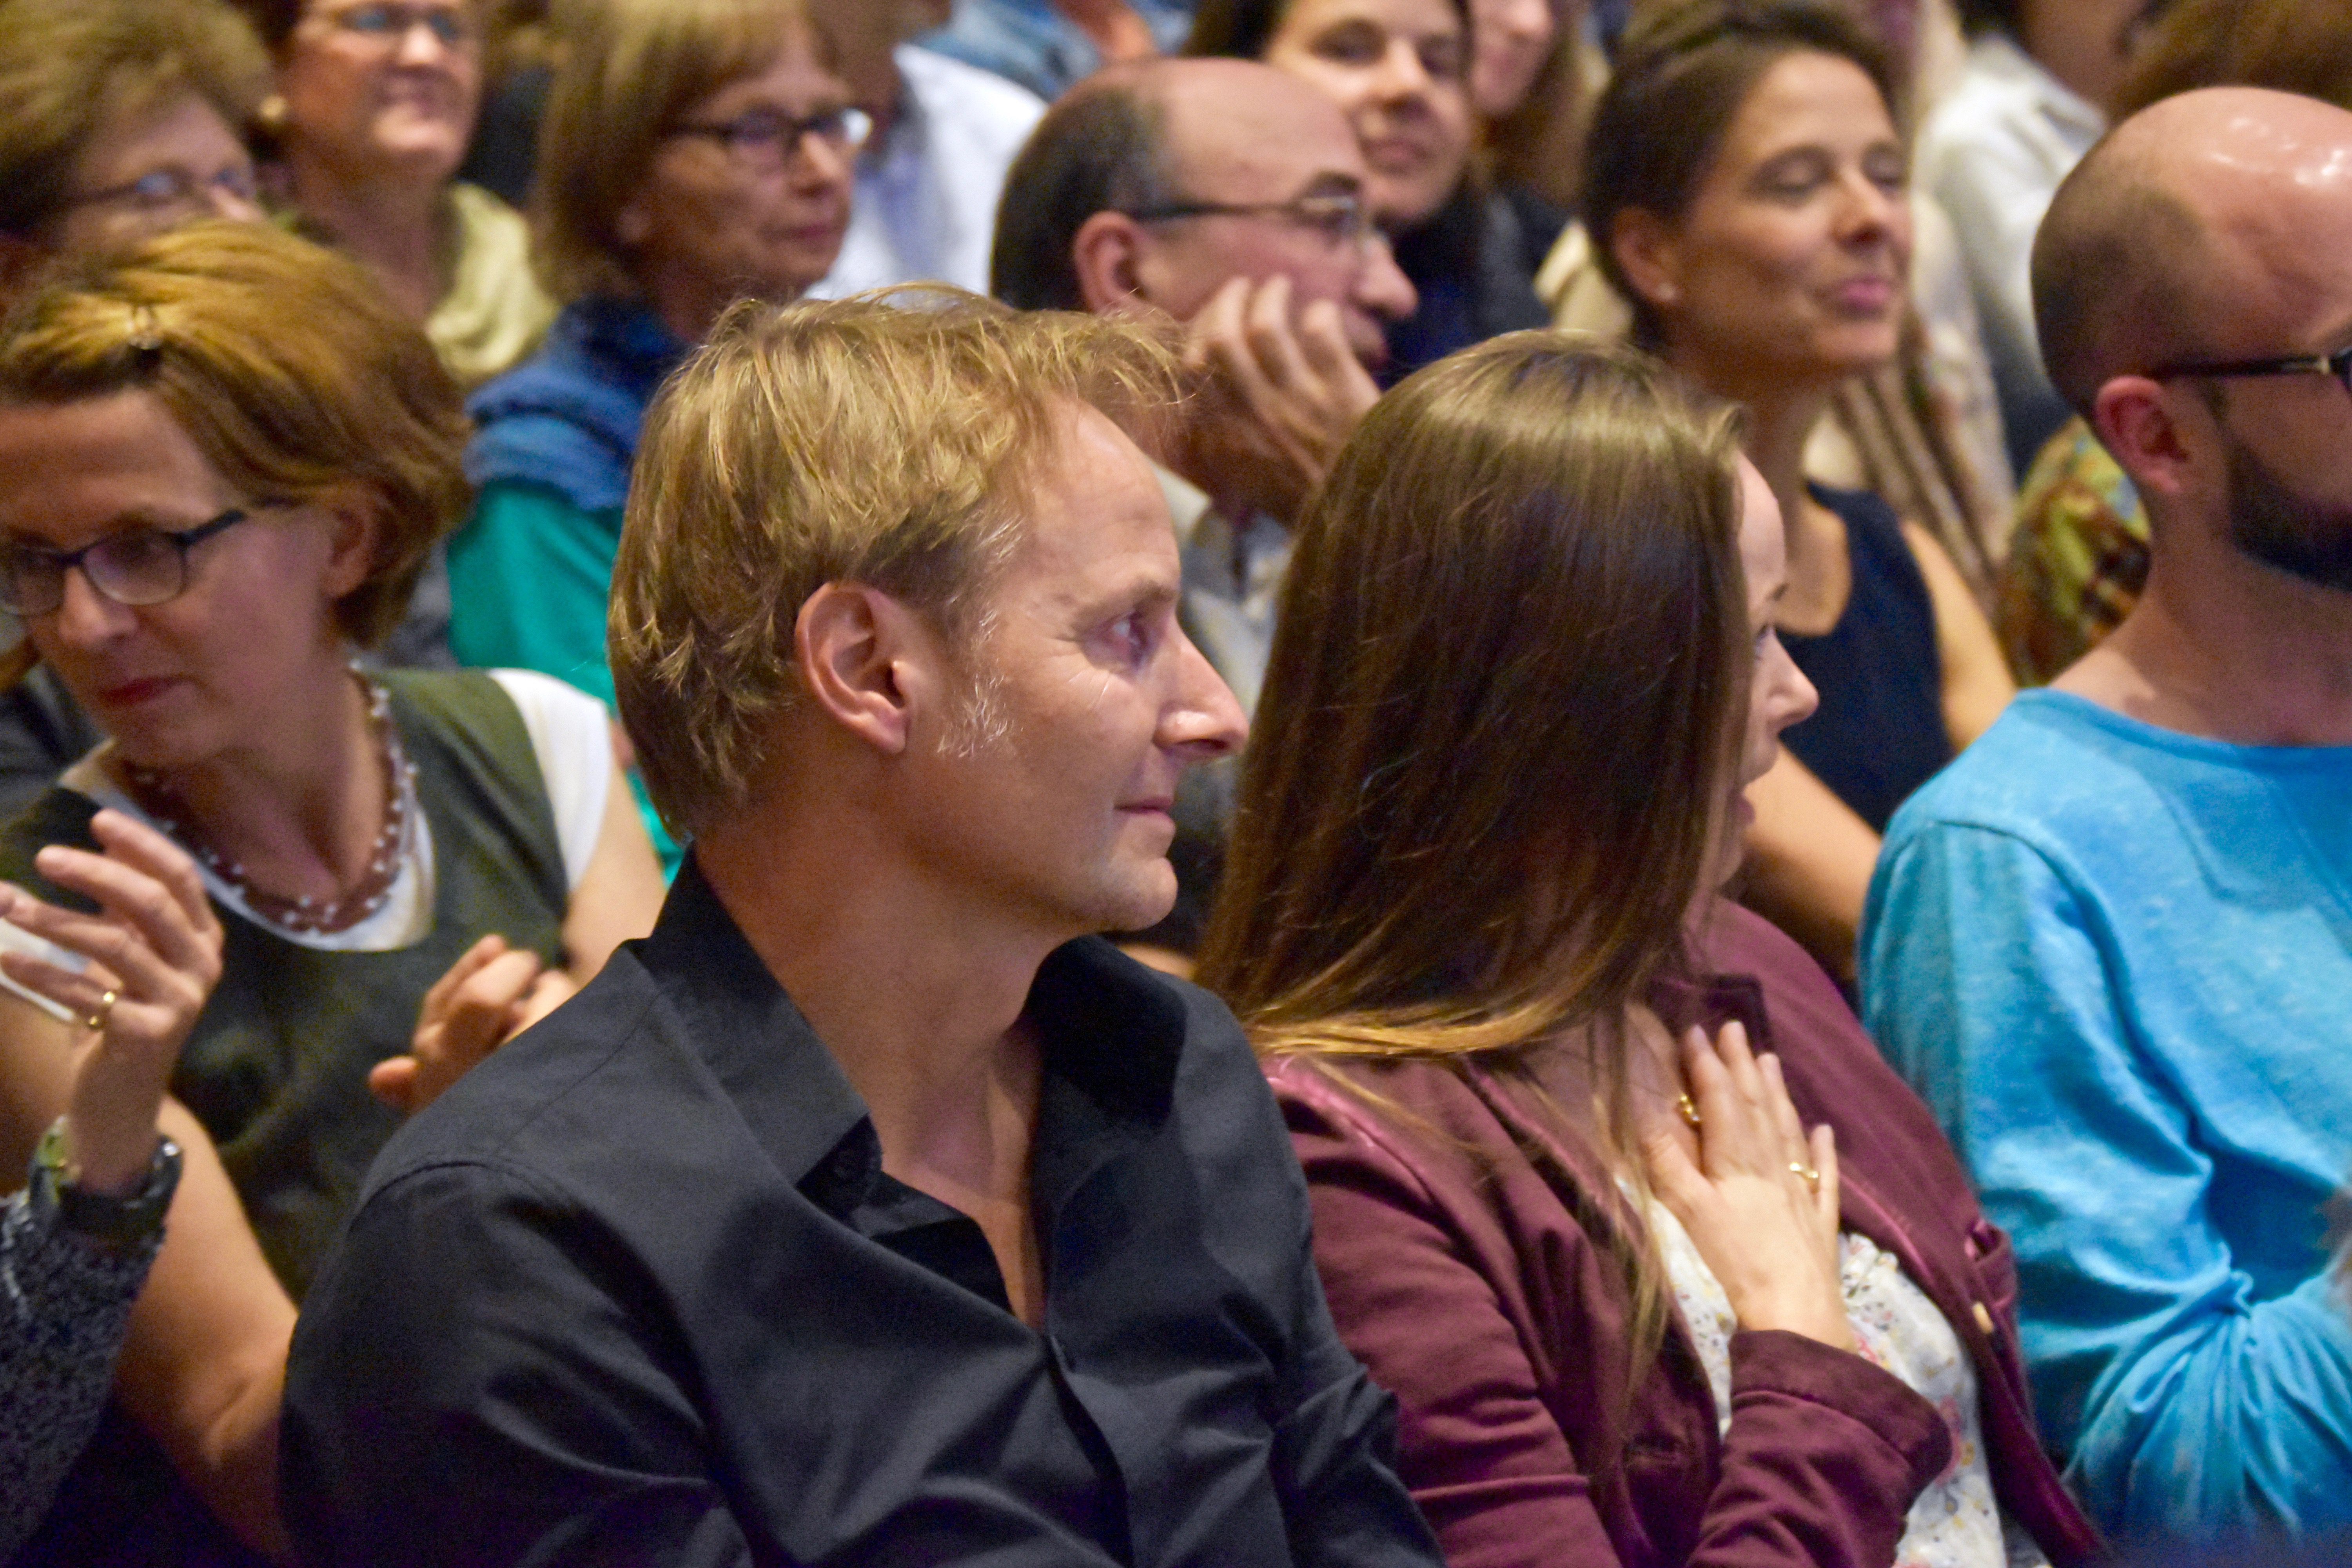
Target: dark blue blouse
pixel 1879 734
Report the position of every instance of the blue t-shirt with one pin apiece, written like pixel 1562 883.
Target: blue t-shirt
pixel 2117 960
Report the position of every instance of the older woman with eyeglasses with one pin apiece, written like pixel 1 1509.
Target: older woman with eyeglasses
pixel 224 460
pixel 715 166
pixel 375 105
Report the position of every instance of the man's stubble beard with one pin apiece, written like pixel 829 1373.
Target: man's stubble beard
pixel 2272 523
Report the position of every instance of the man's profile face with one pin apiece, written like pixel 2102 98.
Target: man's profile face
pixel 1094 700
pixel 1259 137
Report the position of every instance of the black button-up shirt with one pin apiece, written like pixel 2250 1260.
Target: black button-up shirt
pixel 637 1290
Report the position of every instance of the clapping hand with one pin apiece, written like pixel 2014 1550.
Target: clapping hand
pixel 155 954
pixel 490 995
pixel 1760 1199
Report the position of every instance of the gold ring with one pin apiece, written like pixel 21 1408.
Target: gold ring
pixel 1813 1177
pixel 106 1002
pixel 1684 1103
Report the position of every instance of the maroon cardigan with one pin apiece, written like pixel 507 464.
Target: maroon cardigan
pixel 1474 1288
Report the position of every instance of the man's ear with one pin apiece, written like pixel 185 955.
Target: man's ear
pixel 1107 254
pixel 871 665
pixel 2140 427
pixel 1644 248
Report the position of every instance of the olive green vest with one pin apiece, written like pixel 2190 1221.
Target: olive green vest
pixel 277 1066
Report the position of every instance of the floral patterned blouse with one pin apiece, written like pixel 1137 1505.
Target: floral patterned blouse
pixel 1956 1522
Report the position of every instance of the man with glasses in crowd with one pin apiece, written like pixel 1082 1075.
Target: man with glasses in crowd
pixel 1227 197
pixel 2112 945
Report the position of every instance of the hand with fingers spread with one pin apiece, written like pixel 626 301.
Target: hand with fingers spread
pixel 1760 1201
pixel 154 949
pixel 490 995
pixel 1285 395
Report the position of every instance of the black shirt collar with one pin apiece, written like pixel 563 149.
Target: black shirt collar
pixel 1113 1033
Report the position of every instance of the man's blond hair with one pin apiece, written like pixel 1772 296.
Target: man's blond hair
pixel 855 440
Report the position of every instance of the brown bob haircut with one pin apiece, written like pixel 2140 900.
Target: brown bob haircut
pixel 854 440
pixel 71 70
pixel 1682 72
pixel 628 72
pixel 285 364
pixel 1512 649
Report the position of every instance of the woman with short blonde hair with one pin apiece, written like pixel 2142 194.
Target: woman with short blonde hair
pixel 224 458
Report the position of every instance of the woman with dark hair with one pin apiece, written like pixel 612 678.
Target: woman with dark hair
pixel 1401 68
pixel 1745 191
pixel 225 459
pixel 1564 1208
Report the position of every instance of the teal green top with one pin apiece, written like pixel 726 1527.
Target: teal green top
pixel 529 575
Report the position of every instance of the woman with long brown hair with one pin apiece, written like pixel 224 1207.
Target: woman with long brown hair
pixel 1549 1091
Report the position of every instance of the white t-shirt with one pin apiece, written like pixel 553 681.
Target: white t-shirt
pixel 570 735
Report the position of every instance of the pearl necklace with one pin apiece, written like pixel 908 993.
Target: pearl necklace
pixel 304 916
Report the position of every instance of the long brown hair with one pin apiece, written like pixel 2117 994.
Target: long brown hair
pixel 1510 644
pixel 1484 785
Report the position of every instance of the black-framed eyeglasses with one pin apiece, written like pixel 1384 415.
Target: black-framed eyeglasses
pixel 136 567
pixel 1338 217
pixel 767 140
pixel 2338 364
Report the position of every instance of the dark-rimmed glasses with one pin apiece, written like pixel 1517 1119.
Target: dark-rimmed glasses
pixel 766 139
pixel 1338 217
pixel 137 567
pixel 2338 364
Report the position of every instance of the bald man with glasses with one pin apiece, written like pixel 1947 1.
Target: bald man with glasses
pixel 1225 200
pixel 2112 944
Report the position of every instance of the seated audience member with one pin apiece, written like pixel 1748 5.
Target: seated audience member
pixel 224 458
pixel 898 1225
pixel 1550 1090
pixel 943 134
pixel 2030 100
pixel 1400 68
pixel 376 104
pixel 1049 46
pixel 77 1243
pixel 1532 76
pixel 1745 185
pixel 1922 430
pixel 2080 558
pixel 693 151
pixel 2112 945
pixel 1230 197
pixel 119 118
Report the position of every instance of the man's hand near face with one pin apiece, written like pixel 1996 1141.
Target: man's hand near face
pixel 1278 396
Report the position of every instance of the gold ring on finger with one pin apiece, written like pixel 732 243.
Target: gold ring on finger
pixel 1813 1177
pixel 1689 1108
pixel 106 1001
